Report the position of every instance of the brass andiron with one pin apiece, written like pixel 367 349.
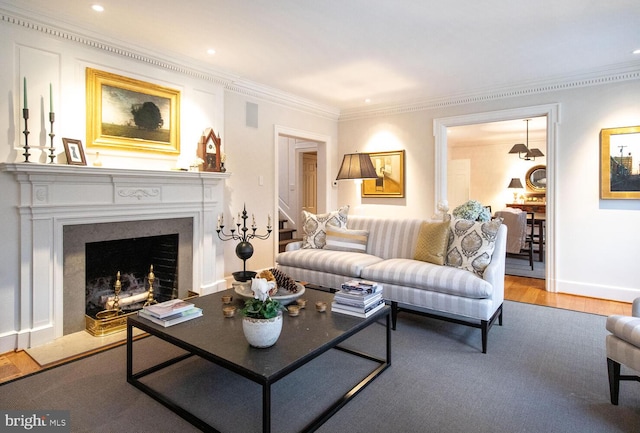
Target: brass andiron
pixel 152 278
pixel 116 299
pixel 244 249
pixel 115 309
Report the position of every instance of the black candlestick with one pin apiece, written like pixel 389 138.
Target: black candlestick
pixel 244 249
pixel 25 116
pixel 52 118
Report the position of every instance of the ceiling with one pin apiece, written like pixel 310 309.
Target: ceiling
pixel 339 53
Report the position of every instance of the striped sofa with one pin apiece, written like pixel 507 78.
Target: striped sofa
pixel 444 292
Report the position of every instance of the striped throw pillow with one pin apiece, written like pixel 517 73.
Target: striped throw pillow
pixel 339 239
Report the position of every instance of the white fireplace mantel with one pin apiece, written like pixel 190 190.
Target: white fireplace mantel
pixel 52 196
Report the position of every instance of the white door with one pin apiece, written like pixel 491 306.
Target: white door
pixel 458 182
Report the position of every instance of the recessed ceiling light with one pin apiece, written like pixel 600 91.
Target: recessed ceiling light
pixel 211 51
pixel 636 51
pixel 97 8
pixel 367 100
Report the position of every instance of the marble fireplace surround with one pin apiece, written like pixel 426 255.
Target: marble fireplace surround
pixel 54 196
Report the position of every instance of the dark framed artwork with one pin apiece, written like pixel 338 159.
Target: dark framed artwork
pixel 620 163
pixel 74 152
pixel 390 181
pixel 128 114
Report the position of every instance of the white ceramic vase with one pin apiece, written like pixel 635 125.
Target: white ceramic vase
pixel 262 333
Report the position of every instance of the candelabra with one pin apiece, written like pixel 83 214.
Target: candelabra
pixel 52 118
pixel 25 116
pixel 244 249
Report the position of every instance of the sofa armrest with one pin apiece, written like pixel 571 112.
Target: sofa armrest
pixel 292 246
pixel 626 328
pixel 635 308
pixel 494 273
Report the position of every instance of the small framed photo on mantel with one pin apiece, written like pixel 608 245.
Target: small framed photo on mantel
pixel 74 152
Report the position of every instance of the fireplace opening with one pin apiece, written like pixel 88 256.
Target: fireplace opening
pixel 133 259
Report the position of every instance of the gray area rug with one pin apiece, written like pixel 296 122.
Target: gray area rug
pixel 519 267
pixel 545 371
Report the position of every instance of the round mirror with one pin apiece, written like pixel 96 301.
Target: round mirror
pixel 537 178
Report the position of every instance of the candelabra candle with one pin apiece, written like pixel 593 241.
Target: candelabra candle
pixel 244 249
pixel 25 116
pixel 52 118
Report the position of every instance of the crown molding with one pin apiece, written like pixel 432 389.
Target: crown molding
pixel 230 82
pixel 608 75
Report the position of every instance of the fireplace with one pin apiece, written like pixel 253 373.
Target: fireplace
pixel 130 262
pixel 64 207
pixel 94 253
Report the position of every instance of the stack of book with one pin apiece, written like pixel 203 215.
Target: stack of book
pixel 358 298
pixel 170 312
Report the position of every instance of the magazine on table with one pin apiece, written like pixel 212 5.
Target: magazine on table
pixel 363 286
pixel 357 301
pixel 174 319
pixel 369 307
pixel 167 308
pixel 339 309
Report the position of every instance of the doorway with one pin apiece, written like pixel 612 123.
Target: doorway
pixel 301 176
pixel 442 128
pixel 480 167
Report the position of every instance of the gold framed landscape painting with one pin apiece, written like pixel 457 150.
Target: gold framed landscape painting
pixel 620 163
pixel 128 114
pixel 390 181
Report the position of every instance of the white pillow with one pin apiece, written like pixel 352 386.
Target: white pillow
pixel 471 244
pixel 314 226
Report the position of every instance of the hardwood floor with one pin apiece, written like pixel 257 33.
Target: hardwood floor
pixel 531 291
pixel 520 289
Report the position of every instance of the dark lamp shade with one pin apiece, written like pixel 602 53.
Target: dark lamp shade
pixel 357 166
pixel 519 148
pixel 533 153
pixel 515 183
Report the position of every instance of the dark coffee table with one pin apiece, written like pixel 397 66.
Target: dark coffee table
pixel 303 339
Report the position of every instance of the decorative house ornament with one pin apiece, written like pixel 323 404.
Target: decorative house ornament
pixel 209 151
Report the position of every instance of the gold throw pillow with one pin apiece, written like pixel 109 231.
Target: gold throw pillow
pixel 432 242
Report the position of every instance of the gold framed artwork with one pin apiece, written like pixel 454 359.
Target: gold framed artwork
pixel 128 114
pixel 390 181
pixel 73 151
pixel 619 172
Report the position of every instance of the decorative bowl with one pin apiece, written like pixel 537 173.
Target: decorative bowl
pixel 285 297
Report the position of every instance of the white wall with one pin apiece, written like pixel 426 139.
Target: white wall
pixel 252 155
pixel 597 244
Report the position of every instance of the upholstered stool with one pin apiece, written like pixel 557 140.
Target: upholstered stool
pixel 623 347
